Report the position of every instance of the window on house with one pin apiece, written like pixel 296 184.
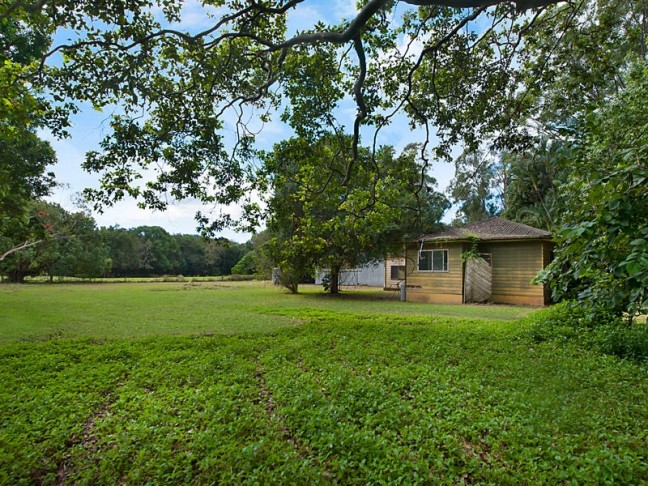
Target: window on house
pixel 398 272
pixel 433 261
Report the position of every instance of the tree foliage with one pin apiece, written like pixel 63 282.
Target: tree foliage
pixel 580 60
pixel 533 181
pixel 477 186
pixel 246 265
pixel 602 252
pixel 148 251
pixel 249 65
pixel 508 73
pixel 69 245
pixel 24 157
pixel 344 220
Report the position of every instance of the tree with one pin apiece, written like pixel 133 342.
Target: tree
pixel 578 86
pixel 221 255
pixel 122 245
pixel 344 220
pixel 192 254
pixel 79 251
pixel 579 60
pixel 477 186
pixel 602 251
pixel 146 251
pixel 246 265
pixel 23 176
pixel 263 261
pixel 158 252
pixel 24 157
pixel 70 246
pixel 522 185
pixel 187 83
pixel 20 238
pixel 533 180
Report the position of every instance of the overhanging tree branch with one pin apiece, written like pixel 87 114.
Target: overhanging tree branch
pixel 188 82
pixel 22 246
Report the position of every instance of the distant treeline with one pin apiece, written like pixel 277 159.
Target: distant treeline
pixel 70 245
pixel 151 251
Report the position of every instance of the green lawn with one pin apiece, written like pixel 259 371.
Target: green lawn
pixel 243 383
pixel 152 309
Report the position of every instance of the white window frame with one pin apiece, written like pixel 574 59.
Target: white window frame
pixel 446 260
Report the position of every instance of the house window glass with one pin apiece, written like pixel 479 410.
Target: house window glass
pixel 433 261
pixel 398 272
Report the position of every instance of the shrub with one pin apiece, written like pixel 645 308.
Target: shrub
pixel 236 277
pixel 565 320
pixel 246 265
pixel 624 341
pixel 326 282
pixel 289 277
pixel 595 329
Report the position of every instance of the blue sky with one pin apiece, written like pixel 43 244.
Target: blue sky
pixel 89 127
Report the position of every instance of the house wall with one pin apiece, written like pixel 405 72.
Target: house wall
pixel 392 283
pixel 372 275
pixel 436 287
pixel 514 265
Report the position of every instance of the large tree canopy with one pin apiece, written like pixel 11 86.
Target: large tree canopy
pixel 24 157
pixel 452 66
pixel 341 221
pixel 602 252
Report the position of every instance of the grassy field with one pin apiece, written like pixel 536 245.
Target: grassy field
pixel 244 383
pixel 137 310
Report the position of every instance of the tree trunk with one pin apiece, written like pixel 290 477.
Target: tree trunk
pixel 16 276
pixel 335 279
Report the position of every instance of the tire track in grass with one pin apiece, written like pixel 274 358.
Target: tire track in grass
pixel 87 439
pixel 302 449
pixel 266 399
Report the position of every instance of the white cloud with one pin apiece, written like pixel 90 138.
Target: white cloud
pixel 412 48
pixel 271 132
pixel 179 217
pixel 302 18
pixel 346 9
pixel 194 16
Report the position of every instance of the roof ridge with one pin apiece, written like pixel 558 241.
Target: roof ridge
pixel 492 228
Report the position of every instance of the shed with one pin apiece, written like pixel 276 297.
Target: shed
pixel 370 275
pixel 387 273
pixel 395 269
pixel 508 256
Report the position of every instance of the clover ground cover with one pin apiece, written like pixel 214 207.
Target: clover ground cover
pixel 322 394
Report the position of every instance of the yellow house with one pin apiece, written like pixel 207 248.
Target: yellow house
pixel 500 259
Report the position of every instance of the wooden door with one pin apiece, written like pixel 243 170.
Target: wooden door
pixel 478 279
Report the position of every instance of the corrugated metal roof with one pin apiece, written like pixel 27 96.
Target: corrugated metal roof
pixel 495 228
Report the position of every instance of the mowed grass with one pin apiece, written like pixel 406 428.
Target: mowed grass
pixel 263 387
pixel 151 309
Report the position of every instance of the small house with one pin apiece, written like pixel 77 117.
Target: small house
pixel 494 260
